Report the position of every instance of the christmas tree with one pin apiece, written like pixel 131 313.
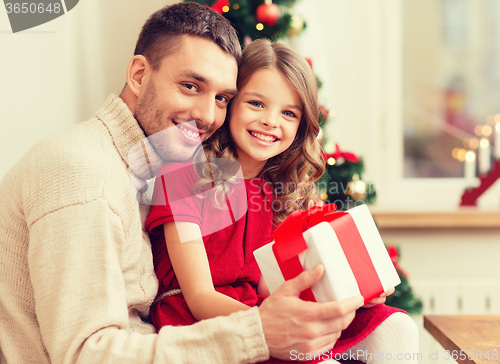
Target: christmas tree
pixel 342 182
pixel 403 297
pixel 254 19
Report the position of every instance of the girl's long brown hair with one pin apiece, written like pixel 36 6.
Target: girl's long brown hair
pixel 293 172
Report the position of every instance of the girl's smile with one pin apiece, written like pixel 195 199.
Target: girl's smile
pixel 264 137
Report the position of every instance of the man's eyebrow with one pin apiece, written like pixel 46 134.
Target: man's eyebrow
pixel 231 91
pixel 196 76
pixel 204 80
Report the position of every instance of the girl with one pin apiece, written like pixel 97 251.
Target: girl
pixel 271 130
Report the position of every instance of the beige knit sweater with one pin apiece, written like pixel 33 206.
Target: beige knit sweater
pixel 76 272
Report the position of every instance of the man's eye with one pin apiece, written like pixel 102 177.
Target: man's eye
pixel 289 113
pixel 222 98
pixel 190 87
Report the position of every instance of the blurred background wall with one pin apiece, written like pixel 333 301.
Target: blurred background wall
pixel 59 73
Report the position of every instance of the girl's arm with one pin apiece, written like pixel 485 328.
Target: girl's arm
pixel 190 263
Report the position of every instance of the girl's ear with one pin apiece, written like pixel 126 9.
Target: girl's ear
pixel 138 74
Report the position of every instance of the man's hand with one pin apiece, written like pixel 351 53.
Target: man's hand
pixel 304 327
pixel 379 299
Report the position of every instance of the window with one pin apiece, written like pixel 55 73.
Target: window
pixel 451 85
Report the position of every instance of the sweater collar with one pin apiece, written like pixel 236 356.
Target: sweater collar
pixel 131 143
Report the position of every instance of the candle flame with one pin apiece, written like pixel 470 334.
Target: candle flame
pixel 470 156
pixel 484 143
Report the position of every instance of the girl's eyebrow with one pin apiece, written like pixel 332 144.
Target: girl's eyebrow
pixel 293 106
pixel 256 94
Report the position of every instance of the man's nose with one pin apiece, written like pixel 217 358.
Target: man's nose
pixel 205 111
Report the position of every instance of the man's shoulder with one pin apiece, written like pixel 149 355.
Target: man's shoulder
pixel 87 144
pixel 79 159
pixel 75 166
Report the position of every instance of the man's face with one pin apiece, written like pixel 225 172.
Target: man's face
pixel 189 96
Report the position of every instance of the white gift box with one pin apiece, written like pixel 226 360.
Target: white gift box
pixel 323 246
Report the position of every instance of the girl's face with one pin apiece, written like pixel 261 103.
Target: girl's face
pixel 265 116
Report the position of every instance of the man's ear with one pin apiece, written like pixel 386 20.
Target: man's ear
pixel 138 72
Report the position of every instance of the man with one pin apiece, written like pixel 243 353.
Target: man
pixel 76 265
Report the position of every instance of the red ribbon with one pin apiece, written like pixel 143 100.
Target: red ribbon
pixel 359 260
pixel 289 243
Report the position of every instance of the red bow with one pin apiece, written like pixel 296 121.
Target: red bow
pixel 351 157
pixel 289 243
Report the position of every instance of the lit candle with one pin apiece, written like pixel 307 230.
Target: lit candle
pixel 484 156
pixel 497 140
pixel 470 165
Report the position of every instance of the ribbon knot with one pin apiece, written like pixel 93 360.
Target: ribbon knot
pixel 289 243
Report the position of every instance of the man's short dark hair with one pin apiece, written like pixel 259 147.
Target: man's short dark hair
pixel 161 33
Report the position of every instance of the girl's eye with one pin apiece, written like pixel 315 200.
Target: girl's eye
pixel 289 113
pixel 255 103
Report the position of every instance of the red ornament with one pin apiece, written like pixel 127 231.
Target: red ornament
pixel 323 113
pixel 309 60
pixel 219 5
pixel 267 14
pixel 393 253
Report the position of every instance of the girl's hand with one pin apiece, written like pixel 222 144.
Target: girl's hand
pixel 262 288
pixel 380 299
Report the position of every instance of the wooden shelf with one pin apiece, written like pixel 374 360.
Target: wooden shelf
pixel 460 218
pixel 466 335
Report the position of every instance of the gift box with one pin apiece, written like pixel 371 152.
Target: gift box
pixel 346 242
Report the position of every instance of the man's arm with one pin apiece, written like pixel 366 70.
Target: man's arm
pixel 81 304
pixel 81 300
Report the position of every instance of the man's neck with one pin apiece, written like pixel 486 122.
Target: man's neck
pixel 129 99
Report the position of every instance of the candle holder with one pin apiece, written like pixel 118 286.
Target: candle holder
pixel 471 194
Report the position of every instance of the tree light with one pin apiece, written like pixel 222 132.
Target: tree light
pixel 474 143
pixel 486 130
pixel 461 155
